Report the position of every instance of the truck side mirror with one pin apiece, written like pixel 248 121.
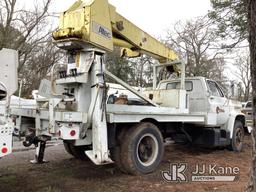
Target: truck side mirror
pixel 235 90
pixel 208 93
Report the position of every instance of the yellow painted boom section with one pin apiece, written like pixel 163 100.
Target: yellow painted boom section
pixel 141 41
pixel 96 22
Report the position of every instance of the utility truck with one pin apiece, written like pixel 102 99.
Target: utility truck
pixel 8 85
pixel 104 128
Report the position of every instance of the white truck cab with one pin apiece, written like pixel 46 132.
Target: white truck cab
pixel 223 116
pixel 206 97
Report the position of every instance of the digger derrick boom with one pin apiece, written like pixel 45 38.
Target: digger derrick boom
pixel 97 23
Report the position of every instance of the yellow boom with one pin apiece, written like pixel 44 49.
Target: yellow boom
pixel 96 22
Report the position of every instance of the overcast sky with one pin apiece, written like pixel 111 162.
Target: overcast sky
pixel 152 16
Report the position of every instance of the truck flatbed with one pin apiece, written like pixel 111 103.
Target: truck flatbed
pixel 117 114
pixel 124 114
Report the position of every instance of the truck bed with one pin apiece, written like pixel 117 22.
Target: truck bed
pixel 126 114
pixel 117 114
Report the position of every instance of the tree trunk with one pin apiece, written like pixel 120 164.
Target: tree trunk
pixel 251 5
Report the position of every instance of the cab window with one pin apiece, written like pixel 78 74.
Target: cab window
pixel 214 89
pixel 248 105
pixel 176 85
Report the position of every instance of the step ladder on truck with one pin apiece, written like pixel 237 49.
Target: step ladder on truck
pixel 76 109
pixel 8 85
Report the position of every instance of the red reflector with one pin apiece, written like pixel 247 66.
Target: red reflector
pixel 72 133
pixel 59 133
pixel 4 150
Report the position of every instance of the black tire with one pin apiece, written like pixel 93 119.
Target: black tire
pixel 142 149
pixel 77 151
pixel 116 157
pixel 237 137
pixel 67 148
pixel 115 152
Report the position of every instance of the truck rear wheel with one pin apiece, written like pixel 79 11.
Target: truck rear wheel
pixel 116 151
pixel 67 148
pixel 237 137
pixel 142 149
pixel 77 151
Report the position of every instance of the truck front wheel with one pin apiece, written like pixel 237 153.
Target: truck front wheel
pixel 142 149
pixel 237 137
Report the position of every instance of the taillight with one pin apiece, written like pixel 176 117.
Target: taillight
pixel 4 150
pixel 14 120
pixel 72 133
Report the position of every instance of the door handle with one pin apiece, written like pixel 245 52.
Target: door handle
pixel 211 98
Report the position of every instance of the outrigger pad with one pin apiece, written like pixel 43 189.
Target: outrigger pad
pixel 34 161
pixel 39 156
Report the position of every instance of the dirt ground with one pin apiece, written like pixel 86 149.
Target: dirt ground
pixel 65 174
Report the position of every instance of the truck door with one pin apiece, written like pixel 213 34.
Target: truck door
pixel 218 102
